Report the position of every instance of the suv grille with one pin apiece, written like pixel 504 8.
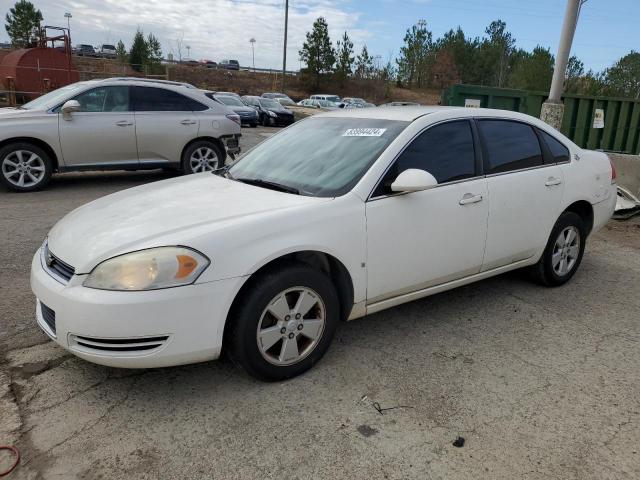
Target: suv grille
pixel 57 266
pixel 49 317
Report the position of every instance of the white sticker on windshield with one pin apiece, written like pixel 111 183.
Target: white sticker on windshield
pixel 364 132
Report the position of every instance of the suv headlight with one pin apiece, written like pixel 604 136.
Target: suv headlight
pixel 150 269
pixel 271 114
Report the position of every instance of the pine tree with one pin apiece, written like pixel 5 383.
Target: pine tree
pixel 139 53
pixel 364 64
pixel 317 52
pixel 121 52
pixel 344 64
pixel 22 21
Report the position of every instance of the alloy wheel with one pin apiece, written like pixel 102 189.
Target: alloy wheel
pixel 203 159
pixel 23 168
pixel 566 251
pixel 291 326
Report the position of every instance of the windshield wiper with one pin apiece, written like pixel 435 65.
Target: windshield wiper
pixel 224 171
pixel 267 184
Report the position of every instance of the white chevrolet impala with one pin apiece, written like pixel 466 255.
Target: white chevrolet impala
pixel 338 216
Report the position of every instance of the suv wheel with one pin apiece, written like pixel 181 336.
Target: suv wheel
pixel 284 323
pixel 564 251
pixel 24 167
pixel 202 156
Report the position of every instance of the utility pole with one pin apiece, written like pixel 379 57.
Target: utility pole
pixel 284 54
pixel 68 16
pixel 553 108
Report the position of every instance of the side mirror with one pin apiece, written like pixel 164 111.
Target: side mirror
pixel 413 180
pixel 69 107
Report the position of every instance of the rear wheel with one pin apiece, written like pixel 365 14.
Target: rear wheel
pixel 284 323
pixel 202 156
pixel 24 167
pixel 564 251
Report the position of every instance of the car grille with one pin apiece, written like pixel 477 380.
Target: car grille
pixel 49 317
pixel 118 345
pixel 57 266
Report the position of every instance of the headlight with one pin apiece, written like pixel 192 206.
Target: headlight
pixel 271 114
pixel 161 267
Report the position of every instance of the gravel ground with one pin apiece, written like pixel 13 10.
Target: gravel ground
pixel 541 383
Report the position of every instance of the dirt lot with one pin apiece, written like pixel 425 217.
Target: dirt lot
pixel 541 383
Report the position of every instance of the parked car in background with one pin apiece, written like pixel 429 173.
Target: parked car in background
pixel 107 51
pixel 191 63
pixel 210 64
pixel 5 45
pixel 248 115
pixel 275 95
pixel 332 98
pixel 270 112
pixel 84 50
pixel 285 102
pixel 343 215
pixel 229 64
pixel 227 94
pixel 369 105
pixel 117 124
pixel 352 100
pixel 323 104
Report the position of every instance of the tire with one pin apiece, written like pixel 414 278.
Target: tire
pixel 202 156
pixel 265 121
pixel 254 125
pixel 563 253
pixel 24 167
pixel 275 343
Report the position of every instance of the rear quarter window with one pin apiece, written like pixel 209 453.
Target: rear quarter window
pixel 510 146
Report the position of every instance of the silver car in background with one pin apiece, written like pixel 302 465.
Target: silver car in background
pixel 114 124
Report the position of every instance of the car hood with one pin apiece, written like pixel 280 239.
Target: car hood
pixel 170 212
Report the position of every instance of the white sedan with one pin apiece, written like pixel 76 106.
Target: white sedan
pixel 338 216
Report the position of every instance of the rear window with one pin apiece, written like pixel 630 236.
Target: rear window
pixel 150 99
pixel 559 152
pixel 510 145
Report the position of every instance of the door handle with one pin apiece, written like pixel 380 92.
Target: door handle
pixel 470 198
pixel 124 123
pixel 551 181
pixel 188 122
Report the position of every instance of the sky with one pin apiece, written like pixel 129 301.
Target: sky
pixel 220 29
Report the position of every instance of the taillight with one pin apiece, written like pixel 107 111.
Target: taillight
pixel 614 175
pixel 234 118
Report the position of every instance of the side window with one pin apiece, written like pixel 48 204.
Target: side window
pixel 445 151
pixel 559 152
pixel 104 99
pixel 150 99
pixel 510 145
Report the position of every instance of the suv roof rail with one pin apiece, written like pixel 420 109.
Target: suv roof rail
pixel 150 80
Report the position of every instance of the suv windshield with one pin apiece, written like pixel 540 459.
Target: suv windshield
pixel 321 157
pixel 52 98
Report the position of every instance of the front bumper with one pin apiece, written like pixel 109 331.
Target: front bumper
pixel 156 328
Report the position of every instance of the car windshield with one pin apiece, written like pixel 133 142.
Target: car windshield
pixel 108 47
pixel 286 101
pixel 227 100
pixel 52 98
pixel 333 98
pixel 322 157
pixel 326 103
pixel 269 103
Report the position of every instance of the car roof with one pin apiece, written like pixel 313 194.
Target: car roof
pixel 410 113
pixel 143 81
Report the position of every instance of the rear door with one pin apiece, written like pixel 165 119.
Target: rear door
pixel 525 191
pixel 165 122
pixel 102 132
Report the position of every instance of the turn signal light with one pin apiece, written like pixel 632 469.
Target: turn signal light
pixel 614 174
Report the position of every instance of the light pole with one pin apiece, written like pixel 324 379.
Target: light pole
pixel 68 16
pixel 553 109
pixel 188 47
pixel 284 54
pixel 252 41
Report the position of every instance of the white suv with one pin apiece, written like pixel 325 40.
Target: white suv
pixel 119 124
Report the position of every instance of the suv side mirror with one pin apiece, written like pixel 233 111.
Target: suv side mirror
pixel 413 180
pixel 69 107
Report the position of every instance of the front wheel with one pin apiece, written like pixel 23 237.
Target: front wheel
pixel 284 322
pixel 564 251
pixel 202 156
pixel 25 167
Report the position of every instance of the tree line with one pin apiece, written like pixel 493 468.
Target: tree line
pixel 491 60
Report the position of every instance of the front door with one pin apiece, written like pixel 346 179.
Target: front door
pixel 102 132
pixel 422 239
